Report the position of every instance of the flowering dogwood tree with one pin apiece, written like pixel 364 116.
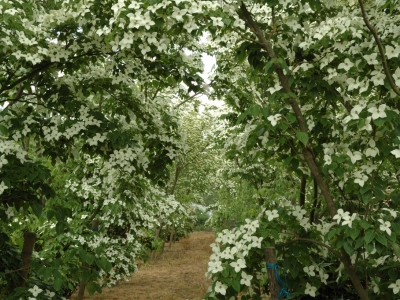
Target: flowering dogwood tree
pixel 87 130
pixel 314 86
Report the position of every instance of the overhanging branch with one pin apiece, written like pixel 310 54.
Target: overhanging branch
pixel 380 47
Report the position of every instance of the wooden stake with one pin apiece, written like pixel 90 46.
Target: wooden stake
pixel 26 255
pixel 270 258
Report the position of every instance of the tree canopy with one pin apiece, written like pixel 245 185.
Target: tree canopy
pixel 90 130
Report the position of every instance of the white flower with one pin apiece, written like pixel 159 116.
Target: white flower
pixel 377 77
pixel 50 294
pixel 190 26
pixel 10 212
pixel 220 288
pixel 354 156
pixel 238 265
pixel 360 178
pixel 299 212
pixel 347 64
pixel 395 152
pixel 340 214
pixel 352 84
pixel 284 2
pixel 239 23
pixel 215 266
pixel 271 214
pixel 274 119
pixel 323 276
pixel 371 59
pixel 392 212
pixel 395 286
pixel 371 152
pixel 347 220
pixel 3 161
pixel 246 279
pixel 309 270
pixel 310 290
pixel 327 159
pixel 375 287
pixel 35 290
pixel 378 112
pixel 178 13
pixel 385 226
pixel 396 76
pixel 217 21
pixel 392 52
pixel 256 242
pixel 3 187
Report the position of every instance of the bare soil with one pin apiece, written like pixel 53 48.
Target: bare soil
pixel 177 274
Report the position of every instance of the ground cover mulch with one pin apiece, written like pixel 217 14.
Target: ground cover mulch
pixel 177 274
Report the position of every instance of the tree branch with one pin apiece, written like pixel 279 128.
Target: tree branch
pixel 25 77
pixel 188 99
pixel 307 151
pixel 380 47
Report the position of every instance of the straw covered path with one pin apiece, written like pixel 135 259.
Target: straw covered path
pixel 177 274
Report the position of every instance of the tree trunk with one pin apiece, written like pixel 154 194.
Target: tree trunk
pixel 171 236
pixel 26 255
pixel 270 258
pixel 303 183
pixel 158 232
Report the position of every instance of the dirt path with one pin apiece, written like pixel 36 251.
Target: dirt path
pixel 176 275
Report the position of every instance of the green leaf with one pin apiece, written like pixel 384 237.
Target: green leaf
pixel 396 249
pixel 379 193
pixel 379 122
pixel 354 232
pixel 58 281
pixel 340 243
pixel 226 21
pixel 91 288
pixel 367 197
pixel 393 274
pixel 269 64
pixel 396 227
pixel 291 118
pixel 302 137
pixel 359 242
pixel 365 189
pixel 369 236
pixel 287 161
pixel 225 273
pixel 82 254
pixel 3 130
pixel 90 258
pixel 236 285
pixel 381 239
pixel 348 248
pixel 330 235
pixel 37 209
pixel 99 250
pixel 105 264
pixel 364 224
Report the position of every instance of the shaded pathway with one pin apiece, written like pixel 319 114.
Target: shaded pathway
pixel 177 274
